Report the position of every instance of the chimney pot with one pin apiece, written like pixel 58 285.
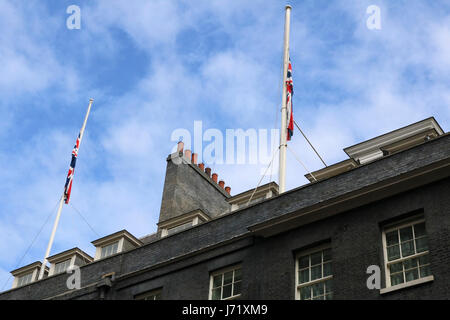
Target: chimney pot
pixel 202 166
pixel 180 147
pixel 222 184
pixel 208 172
pixel 228 190
pixel 187 154
pixel 214 177
pixel 194 158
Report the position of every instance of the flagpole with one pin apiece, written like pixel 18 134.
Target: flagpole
pixel 283 133
pixel 61 201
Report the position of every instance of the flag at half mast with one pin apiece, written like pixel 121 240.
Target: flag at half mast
pixel 68 185
pixel 289 109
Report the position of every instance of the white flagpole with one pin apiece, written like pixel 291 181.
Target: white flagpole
pixel 283 133
pixel 61 201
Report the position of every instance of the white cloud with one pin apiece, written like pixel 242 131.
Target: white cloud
pixel 370 83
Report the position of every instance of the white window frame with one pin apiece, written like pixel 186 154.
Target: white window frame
pixel 67 263
pixel 391 227
pixel 222 272
pixel 116 243
pixel 185 226
pixel 29 277
pixel 308 252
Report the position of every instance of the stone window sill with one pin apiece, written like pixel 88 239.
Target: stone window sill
pixel 407 285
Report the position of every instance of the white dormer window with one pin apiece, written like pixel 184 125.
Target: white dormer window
pixel 115 243
pixel 27 274
pixel 109 250
pixel 183 222
pixel 179 228
pixel 63 261
pixel 253 196
pixel 25 279
pixel 62 266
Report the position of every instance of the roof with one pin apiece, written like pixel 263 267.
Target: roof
pixel 362 151
pixel 69 253
pixel 390 175
pixel 27 268
pixel 386 144
pixel 260 191
pixel 115 236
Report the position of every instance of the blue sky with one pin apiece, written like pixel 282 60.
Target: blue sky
pixel 158 65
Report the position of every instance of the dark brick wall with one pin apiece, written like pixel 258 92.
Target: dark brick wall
pixel 269 265
pixel 181 263
pixel 187 188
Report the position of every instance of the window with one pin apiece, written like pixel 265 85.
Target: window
pixel 152 295
pixel 179 228
pixel 406 253
pixel 25 279
pixel 314 275
pixel 62 266
pixel 226 284
pixel 109 249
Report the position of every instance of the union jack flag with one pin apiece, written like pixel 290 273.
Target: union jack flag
pixel 68 185
pixel 289 94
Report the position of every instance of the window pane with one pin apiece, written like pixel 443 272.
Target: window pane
pixel 62 266
pixel 412 275
pixel 392 238
pixel 329 286
pixel 217 281
pixel 425 271
pixel 411 263
pixel 226 291
pixel 424 260
pixel 327 255
pixel 422 244
pixel 393 252
pixel 327 269
pixel 396 267
pixel 316 272
pixel 237 288
pixel 114 248
pixel 407 248
pixel 26 279
pixel 329 296
pixel 303 262
pixel 396 279
pixel 305 293
pixel 216 294
pixel 316 258
pixel 318 289
pixel 419 230
pixel 303 276
pixel 237 275
pixel 406 234
pixel 228 278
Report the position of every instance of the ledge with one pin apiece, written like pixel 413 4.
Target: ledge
pixel 407 284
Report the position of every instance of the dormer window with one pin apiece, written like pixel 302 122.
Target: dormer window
pixel 115 243
pixel 62 266
pixel 182 222
pixel 109 250
pixel 27 274
pixel 253 196
pixel 61 262
pixel 179 228
pixel 25 279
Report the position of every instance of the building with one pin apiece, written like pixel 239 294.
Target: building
pixel 387 205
